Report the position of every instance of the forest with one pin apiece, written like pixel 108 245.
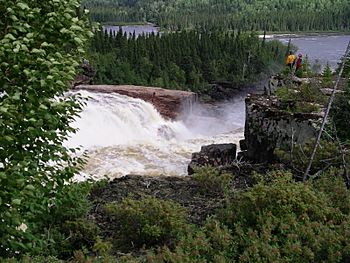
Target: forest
pixel 186 60
pixel 269 15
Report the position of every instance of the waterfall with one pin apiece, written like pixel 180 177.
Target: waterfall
pixel 113 119
pixel 124 135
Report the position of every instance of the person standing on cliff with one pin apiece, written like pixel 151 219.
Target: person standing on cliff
pixel 290 60
pixel 299 65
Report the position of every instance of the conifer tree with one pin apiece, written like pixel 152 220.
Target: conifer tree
pixel 327 77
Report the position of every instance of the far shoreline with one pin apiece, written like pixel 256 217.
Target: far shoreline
pixel 300 34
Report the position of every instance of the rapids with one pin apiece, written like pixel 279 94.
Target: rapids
pixel 122 135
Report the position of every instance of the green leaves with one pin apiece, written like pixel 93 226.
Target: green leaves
pixel 16 201
pixel 35 56
pixel 22 6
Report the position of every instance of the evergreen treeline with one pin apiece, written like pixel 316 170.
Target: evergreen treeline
pixel 185 60
pixel 270 15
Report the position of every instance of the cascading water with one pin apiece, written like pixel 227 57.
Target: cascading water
pixel 123 135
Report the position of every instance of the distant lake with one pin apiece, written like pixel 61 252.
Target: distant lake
pixel 138 29
pixel 324 48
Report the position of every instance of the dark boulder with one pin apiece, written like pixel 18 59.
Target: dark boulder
pixel 213 155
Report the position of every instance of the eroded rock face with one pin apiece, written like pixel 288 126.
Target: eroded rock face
pixel 213 155
pixel 169 103
pixel 86 76
pixel 267 127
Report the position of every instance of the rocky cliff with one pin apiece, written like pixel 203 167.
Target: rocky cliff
pixel 268 127
pixel 169 103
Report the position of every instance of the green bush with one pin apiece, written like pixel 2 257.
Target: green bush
pixel 327 155
pixel 146 222
pixel 310 92
pixel 211 243
pixel 306 98
pixel 287 93
pixel 66 226
pixel 212 180
pixel 340 114
pixel 277 220
pixel 331 184
pixel 306 107
pixel 79 234
pixel 285 221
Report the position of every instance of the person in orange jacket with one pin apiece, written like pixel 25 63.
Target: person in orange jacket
pixel 290 60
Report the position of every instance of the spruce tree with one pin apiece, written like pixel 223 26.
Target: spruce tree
pixel 327 77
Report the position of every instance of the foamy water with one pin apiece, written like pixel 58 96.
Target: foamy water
pixel 123 135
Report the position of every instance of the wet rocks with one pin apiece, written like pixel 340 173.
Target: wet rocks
pixel 169 103
pixel 213 155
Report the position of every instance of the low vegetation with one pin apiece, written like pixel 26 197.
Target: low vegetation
pixel 276 220
pixel 146 222
pixel 213 181
pixel 305 98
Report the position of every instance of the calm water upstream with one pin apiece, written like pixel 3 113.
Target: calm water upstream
pixel 323 48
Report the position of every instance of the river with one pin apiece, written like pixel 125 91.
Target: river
pixel 122 135
pixel 324 48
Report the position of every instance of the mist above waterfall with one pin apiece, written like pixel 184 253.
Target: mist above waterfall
pixel 123 135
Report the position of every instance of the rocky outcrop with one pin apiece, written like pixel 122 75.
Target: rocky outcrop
pixel 267 127
pixel 86 75
pixel 169 103
pixel 213 155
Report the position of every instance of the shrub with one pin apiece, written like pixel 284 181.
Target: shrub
pixel 306 107
pixel 331 184
pixel 66 226
pixel 212 180
pixel 80 234
pixel 211 243
pixel 146 222
pixel 310 92
pixel 285 221
pixel 340 114
pixel 305 99
pixel 327 155
pixel 287 93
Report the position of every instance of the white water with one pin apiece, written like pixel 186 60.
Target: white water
pixel 123 135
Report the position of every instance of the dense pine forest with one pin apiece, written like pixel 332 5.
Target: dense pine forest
pixel 270 15
pixel 186 60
